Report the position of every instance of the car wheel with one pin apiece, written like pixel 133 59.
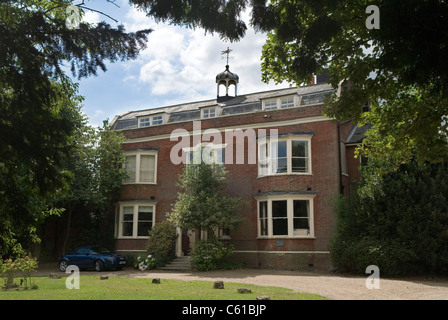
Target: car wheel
pixel 63 265
pixel 99 265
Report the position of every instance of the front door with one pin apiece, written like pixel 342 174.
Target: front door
pixel 185 242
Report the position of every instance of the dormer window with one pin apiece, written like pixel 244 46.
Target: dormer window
pixel 144 122
pixel 287 102
pixel 156 120
pixel 281 103
pixel 152 120
pixel 270 105
pixel 208 113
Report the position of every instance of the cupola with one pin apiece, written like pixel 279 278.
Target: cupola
pixel 227 79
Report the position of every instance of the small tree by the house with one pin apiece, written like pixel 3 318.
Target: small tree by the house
pixel 161 245
pixel 204 203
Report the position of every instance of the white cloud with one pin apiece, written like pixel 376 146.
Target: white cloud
pixel 180 64
pixel 91 17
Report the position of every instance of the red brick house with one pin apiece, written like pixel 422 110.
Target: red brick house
pixel 293 163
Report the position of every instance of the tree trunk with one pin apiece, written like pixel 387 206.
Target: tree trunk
pixel 68 229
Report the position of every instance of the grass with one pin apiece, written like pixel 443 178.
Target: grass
pixel 125 288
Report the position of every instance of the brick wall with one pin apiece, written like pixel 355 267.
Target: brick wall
pixel 244 182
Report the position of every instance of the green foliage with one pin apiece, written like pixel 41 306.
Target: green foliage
pixel 162 242
pixel 399 223
pixel 210 255
pixel 212 16
pixel 145 262
pixel 31 173
pixel 24 264
pixel 40 107
pixel 204 202
pixel 96 167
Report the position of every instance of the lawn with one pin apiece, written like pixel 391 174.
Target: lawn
pixel 125 288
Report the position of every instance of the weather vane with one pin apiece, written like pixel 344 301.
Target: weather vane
pixel 226 52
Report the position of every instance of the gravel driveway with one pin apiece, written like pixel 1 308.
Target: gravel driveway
pixel 332 286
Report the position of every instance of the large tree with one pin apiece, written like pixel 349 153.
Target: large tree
pixel 400 67
pixel 38 102
pixel 398 224
pixel 26 197
pixel 96 167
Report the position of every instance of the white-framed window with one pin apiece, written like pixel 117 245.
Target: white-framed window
pixel 270 105
pixel 206 152
pixel 152 120
pixel 135 219
pixel 141 167
pixel 156 120
pixel 291 155
pixel 286 216
pixel 144 122
pixel 287 102
pixel 208 112
pixel 281 102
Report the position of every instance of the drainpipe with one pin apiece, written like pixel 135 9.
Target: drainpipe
pixel 341 185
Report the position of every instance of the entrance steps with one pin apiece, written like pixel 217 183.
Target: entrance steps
pixel 178 264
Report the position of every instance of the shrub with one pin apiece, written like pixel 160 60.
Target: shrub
pixel 145 262
pixel 211 255
pixel 162 242
pixel 24 264
pixel 400 225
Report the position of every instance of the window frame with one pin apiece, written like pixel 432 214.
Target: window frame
pixel 271 104
pixel 157 120
pixel 206 113
pixel 266 155
pixel 268 222
pixel 277 103
pixel 138 155
pixel 151 120
pixel 215 148
pixel 135 219
pixel 288 103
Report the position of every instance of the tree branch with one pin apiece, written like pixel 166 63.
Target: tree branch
pixel 100 12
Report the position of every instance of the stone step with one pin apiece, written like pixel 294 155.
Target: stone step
pixel 179 263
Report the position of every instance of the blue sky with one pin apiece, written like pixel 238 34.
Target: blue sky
pixel 179 65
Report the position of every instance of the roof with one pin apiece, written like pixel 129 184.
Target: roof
pixel 242 104
pixel 357 134
pixel 227 75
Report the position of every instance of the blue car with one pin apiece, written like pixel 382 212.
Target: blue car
pixel 92 257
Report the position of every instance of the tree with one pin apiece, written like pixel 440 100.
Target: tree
pixel 400 64
pixel 25 203
pixel 96 166
pixel 38 104
pixel 204 203
pixel 398 224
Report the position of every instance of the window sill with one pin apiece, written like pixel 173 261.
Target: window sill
pixel 285 237
pixel 134 183
pixel 285 174
pixel 131 238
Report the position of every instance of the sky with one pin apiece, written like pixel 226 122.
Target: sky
pixel 179 65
